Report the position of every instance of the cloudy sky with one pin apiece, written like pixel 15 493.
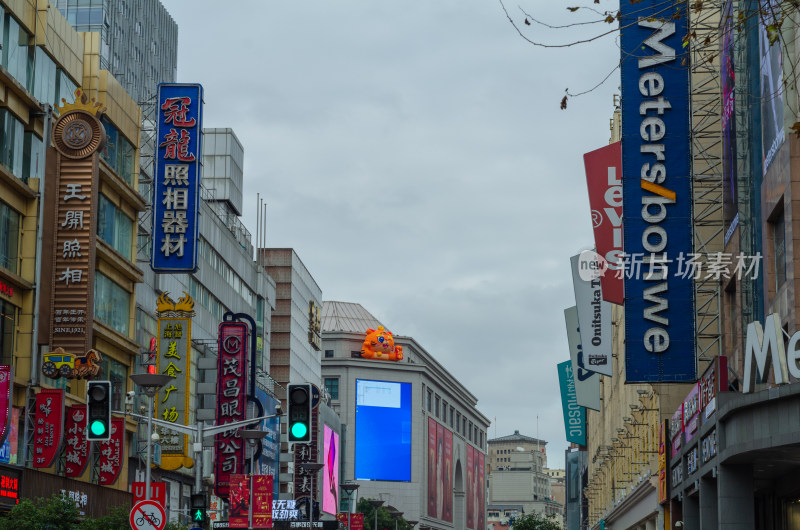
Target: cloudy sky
pixel 415 156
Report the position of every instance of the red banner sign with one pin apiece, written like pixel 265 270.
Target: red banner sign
pixel 77 453
pixel 5 401
pixel 158 492
pixel 49 419
pixel 112 453
pixel 356 518
pixel 262 501
pixel 239 495
pixel 231 390
pixel 604 179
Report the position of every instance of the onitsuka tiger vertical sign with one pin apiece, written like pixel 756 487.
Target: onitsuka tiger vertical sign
pixel 657 200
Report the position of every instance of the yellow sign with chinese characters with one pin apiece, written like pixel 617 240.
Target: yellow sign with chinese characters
pixel 174 346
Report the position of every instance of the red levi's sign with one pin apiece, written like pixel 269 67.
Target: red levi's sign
pixel 49 426
pixel 604 180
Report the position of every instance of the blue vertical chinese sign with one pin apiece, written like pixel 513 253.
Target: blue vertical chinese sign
pixel 657 192
pixel 177 177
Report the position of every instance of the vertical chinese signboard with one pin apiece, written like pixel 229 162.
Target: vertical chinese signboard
pixel 232 373
pixel 78 447
pixel 174 346
pixel 49 426
pixel 305 480
pixel 175 190
pixel 112 453
pixel 262 501
pixel 78 136
pixel 663 468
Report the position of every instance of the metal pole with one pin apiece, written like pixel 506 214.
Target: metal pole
pixel 149 446
pixel 198 473
pixel 349 511
pixel 376 518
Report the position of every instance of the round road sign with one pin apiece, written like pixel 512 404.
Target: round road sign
pixel 148 515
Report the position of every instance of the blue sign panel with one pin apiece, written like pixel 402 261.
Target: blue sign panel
pixel 657 193
pixel 574 414
pixel 177 177
pixel 270 445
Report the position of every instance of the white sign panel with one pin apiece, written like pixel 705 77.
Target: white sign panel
pixel 594 317
pixel 587 383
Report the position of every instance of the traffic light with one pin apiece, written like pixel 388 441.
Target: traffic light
pixel 300 412
pixel 98 410
pixel 198 512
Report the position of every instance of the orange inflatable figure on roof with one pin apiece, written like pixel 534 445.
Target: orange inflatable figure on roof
pixel 379 344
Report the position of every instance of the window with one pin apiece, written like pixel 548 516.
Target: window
pixel 32 157
pixel 114 227
pixel 451 416
pixel 17 55
pixel 118 152
pixel 8 321
pixel 332 386
pixel 9 237
pixel 355 354
pixel 116 372
pixel 429 399
pixel 12 143
pixel 44 78
pixel 436 412
pixel 328 354
pixel 779 241
pixel 112 303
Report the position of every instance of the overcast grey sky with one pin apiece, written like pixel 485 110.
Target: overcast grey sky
pixel 415 156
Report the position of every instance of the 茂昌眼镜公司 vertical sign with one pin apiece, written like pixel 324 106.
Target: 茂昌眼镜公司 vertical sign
pixel 177 177
pixel 231 392
pixel 657 193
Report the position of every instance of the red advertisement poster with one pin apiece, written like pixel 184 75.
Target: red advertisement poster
pixel 262 501
pixel 78 447
pixel 447 481
pixel 49 419
pixel 5 401
pixel 432 467
pixel 112 453
pixel 232 370
pixel 358 521
pixel 440 491
pixel 481 490
pixel 604 180
pixel 239 494
pixel 471 480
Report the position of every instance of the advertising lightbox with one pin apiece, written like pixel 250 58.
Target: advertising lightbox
pixel 330 473
pixel 383 431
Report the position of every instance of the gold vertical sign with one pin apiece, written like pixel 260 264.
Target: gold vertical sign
pixel 174 358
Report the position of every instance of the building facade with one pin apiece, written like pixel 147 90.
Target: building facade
pixel 517 474
pixel 432 438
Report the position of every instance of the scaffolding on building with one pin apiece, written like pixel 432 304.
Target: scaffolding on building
pixel 707 189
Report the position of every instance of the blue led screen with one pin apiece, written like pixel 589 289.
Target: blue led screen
pixel 383 431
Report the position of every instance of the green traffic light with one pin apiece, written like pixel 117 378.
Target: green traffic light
pixel 198 515
pixel 299 430
pixel 98 428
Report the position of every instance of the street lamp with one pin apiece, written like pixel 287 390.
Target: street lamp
pixel 349 488
pixel 150 383
pixel 396 514
pixel 375 503
pixel 252 436
pixel 412 524
pixel 311 468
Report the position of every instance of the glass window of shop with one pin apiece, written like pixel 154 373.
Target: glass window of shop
pixel 8 323
pixel 332 386
pixel 114 227
pixel 12 143
pixel 65 88
pixel 9 237
pixel 116 372
pixel 112 303
pixel 17 54
pixel 44 77
pixel 32 157
pixel 118 152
